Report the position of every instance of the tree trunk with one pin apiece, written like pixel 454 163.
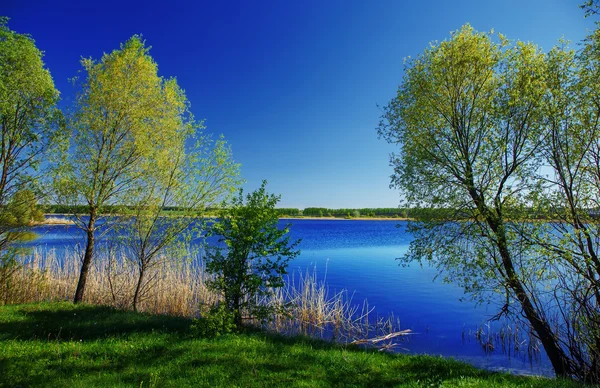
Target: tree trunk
pixel 237 311
pixel 559 360
pixel 138 288
pixel 87 258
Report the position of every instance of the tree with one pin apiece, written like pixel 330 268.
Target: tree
pixel 126 122
pixel 571 196
pixel 190 181
pixel 30 131
pixel 255 257
pixel 468 119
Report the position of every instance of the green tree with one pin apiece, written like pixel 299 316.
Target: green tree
pixel 193 180
pixel 30 130
pixel 468 117
pixel 255 256
pixel 126 122
pixel 571 195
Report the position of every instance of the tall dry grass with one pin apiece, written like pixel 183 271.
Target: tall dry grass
pixel 312 309
pixel 178 287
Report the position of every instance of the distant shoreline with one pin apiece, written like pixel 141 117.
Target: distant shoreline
pixel 347 219
pixel 53 221
pixel 50 220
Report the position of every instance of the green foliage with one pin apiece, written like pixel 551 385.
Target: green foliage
pixel 29 119
pixel 571 246
pixel 136 144
pixel 369 212
pixel 192 179
pixel 476 117
pixel 255 257
pixel 115 141
pixel 314 211
pixel 214 321
pixel 30 130
pixel 469 119
pixel 288 212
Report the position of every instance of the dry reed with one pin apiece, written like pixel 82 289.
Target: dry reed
pixel 511 338
pixel 178 287
pixel 313 310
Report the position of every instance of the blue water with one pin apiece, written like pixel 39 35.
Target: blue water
pixel 359 256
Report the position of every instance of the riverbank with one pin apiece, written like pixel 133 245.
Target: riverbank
pixel 61 344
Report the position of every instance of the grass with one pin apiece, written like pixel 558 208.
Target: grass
pixel 178 288
pixel 60 344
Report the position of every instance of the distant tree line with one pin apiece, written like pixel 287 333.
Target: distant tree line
pixel 526 213
pixel 117 209
pixel 288 211
pixel 361 212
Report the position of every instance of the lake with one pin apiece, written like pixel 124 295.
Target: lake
pixel 359 256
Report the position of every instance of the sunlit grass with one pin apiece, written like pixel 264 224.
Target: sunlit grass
pixel 178 288
pixel 59 344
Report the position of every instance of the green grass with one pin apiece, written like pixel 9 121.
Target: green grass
pixel 62 345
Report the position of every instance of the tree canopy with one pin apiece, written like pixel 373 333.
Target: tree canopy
pixel 475 119
pixel 29 131
pixel 130 128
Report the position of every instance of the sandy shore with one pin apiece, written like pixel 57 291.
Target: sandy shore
pixel 54 221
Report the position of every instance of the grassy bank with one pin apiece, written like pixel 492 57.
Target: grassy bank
pixel 178 288
pixel 59 344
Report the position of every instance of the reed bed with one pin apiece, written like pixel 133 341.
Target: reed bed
pixel 313 310
pixel 178 287
pixel 511 338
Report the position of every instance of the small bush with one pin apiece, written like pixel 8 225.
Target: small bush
pixel 215 321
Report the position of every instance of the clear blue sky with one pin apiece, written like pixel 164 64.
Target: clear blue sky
pixel 293 85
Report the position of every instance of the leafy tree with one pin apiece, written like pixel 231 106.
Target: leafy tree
pixel 30 130
pixel 126 122
pixel 255 256
pixel 468 118
pixel 571 195
pixel 191 181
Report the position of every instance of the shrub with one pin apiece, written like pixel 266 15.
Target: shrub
pixel 215 321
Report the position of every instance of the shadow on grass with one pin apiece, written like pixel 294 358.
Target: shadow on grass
pixel 67 322
pixel 66 345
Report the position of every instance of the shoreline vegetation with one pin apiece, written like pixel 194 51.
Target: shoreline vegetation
pixel 62 344
pixel 179 287
pixel 50 220
pixel 361 214
pixel 105 152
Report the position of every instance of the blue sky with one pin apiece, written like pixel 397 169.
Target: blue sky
pixel 293 85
